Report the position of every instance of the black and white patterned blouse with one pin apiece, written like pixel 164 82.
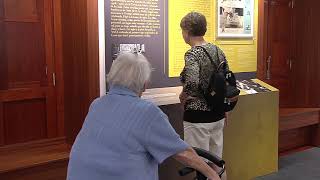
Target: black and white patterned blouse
pixel 196 73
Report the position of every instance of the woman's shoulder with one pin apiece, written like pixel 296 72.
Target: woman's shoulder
pixel 191 55
pixel 200 49
pixel 195 50
pixel 200 52
pixel 209 47
pixel 194 53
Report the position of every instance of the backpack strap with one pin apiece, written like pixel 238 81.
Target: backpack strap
pixel 211 60
pixel 222 64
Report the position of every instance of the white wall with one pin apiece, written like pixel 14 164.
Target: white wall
pixel 102 47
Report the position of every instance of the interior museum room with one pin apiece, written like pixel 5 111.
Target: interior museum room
pixel 159 89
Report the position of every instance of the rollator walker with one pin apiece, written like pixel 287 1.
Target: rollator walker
pixel 210 158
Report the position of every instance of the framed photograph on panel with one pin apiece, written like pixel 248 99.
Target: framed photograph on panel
pixel 235 18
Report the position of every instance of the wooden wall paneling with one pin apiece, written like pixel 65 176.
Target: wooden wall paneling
pixel 291 59
pixel 3 69
pixel 316 133
pixel 3 59
pixel 294 53
pixel 22 94
pixel 295 138
pixel 34 160
pixel 48 41
pixel 58 54
pixel 307 54
pixel 317 60
pixel 51 113
pixel 56 170
pixel 67 66
pixel 1 125
pixel 298 121
pixel 274 41
pixel 24 115
pixel 25 52
pixel 24 120
pixel 280 42
pixel 27 32
pixel 22 11
pixel 1 10
pixel 74 23
pixel 81 64
pixel 314 97
pixel 51 73
pixel 300 64
pixel 262 36
pixel 285 92
pixel 93 48
pixel 305 51
pixel 316 136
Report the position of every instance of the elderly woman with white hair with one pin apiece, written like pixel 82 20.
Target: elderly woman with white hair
pixel 124 137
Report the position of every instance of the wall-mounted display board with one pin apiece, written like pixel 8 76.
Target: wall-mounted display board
pixel 152 27
pixel 235 18
pixel 139 25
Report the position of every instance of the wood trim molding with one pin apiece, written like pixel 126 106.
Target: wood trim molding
pixel 9 17
pixel 316 136
pixel 3 64
pixel 93 48
pixel 81 61
pixel 50 60
pixel 31 84
pixel 298 121
pixel 33 154
pixel 2 132
pixel 49 41
pixel 58 54
pixel 316 133
pixel 23 94
pixel 33 144
pixel 261 42
pixel 51 113
pixel 50 168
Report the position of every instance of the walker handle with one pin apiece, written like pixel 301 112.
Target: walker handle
pixel 206 155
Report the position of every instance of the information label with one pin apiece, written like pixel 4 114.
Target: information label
pixel 135 18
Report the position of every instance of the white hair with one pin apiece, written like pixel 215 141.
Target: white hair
pixel 130 70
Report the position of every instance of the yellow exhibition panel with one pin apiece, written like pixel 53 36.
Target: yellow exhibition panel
pixel 241 53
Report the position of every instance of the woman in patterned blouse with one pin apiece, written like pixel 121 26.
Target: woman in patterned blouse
pixel 203 128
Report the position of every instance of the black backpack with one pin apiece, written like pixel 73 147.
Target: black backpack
pixel 222 86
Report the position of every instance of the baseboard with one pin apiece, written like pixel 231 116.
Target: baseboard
pixel 33 154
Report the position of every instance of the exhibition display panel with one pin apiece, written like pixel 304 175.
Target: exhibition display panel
pixel 152 27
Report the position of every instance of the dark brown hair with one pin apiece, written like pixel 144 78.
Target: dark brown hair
pixel 194 23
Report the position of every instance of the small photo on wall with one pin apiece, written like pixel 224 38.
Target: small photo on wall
pixel 235 18
pixel 133 48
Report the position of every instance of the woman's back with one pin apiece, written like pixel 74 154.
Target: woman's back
pixel 197 72
pixel 123 137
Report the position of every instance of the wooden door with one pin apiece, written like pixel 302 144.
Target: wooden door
pixel 27 79
pixel 279 46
